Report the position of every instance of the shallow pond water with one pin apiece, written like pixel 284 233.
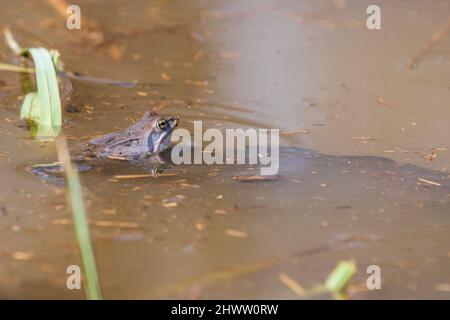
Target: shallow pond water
pixel 363 137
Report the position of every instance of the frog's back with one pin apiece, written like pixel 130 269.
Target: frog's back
pixel 127 143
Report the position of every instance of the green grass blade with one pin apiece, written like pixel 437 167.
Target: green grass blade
pixel 52 82
pixel 340 276
pixel 26 111
pixel 45 109
pixel 80 221
pixel 12 43
pixel 42 88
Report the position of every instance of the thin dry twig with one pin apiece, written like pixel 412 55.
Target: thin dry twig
pixel 60 6
pixel 435 38
pixel 102 223
pixel 429 182
pixel 292 284
pixel 257 178
pixel 147 175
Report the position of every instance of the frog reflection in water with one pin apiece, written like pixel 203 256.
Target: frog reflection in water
pixel 147 138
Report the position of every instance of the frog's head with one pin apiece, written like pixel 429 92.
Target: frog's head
pixel 159 136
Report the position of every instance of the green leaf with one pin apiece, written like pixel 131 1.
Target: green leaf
pixel 340 276
pixel 44 107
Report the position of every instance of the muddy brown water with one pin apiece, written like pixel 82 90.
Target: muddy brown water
pixel 368 128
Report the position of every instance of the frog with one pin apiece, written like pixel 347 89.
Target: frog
pixel 150 135
pixel 148 139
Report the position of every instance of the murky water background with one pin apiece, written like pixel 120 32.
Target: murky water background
pixel 310 67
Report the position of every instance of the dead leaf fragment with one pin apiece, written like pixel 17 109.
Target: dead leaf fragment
pixel 432 155
pixel 197 83
pixel 236 233
pixel 165 76
pixel 292 284
pixel 354 289
pixel 169 204
pixel 173 202
pixel 382 102
pixel 220 211
pixel 200 226
pixel 109 211
pixel 187 185
pixel 116 52
pixel 291 132
pixel 22 255
pixel 142 93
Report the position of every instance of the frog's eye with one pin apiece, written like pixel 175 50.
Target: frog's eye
pixel 161 124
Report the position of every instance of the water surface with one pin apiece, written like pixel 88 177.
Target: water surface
pixel 354 168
